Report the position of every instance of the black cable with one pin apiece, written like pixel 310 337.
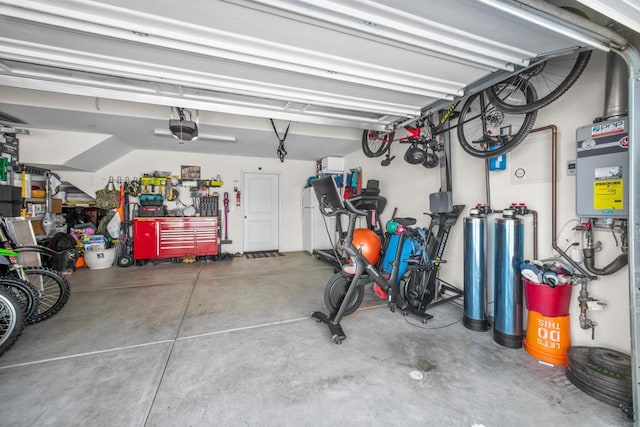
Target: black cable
pixel 434 327
pixel 333 245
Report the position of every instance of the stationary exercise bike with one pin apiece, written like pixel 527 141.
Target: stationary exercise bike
pixel 344 292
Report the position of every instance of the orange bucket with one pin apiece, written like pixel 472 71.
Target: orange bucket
pixel 548 338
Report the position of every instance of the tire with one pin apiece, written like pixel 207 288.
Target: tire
pixel 125 261
pixel 376 143
pixel 550 78
pixel 25 293
pixel 481 126
pixel 335 292
pixel 610 359
pixel 54 292
pixel 11 319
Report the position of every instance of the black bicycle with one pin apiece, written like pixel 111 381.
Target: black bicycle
pixel 494 121
pixel 483 130
pixel 550 78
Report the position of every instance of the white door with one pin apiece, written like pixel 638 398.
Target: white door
pixel 261 201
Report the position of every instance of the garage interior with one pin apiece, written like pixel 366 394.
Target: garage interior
pixel 88 88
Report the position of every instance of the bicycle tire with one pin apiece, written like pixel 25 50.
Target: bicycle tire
pixel 11 319
pixel 550 78
pixel 376 143
pixel 25 293
pixel 54 292
pixel 483 134
pixel 336 290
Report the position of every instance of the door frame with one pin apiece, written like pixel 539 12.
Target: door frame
pixel 244 205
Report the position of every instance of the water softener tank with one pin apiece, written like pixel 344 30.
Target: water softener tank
pixel 507 307
pixel 475 280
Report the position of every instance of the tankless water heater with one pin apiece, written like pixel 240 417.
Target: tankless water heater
pixel 602 170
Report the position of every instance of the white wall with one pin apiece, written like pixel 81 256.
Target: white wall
pixel 407 187
pixel 293 176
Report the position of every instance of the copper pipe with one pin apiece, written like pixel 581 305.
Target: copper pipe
pixel 554 199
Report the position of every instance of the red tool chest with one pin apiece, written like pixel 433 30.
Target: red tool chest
pixel 168 237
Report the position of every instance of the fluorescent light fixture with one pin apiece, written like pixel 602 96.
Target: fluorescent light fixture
pixel 165 132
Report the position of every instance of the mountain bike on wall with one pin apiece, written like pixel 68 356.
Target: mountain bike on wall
pixel 550 78
pixel 483 130
pixel 498 119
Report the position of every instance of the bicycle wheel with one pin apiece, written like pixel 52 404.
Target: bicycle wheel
pixel 54 291
pixel 416 289
pixel 484 131
pixel 25 293
pixel 11 319
pixel 550 78
pixel 336 290
pixel 375 143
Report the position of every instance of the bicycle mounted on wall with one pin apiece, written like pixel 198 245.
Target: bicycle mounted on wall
pixel 490 122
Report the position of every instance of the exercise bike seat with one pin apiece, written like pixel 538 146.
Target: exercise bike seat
pixel 405 222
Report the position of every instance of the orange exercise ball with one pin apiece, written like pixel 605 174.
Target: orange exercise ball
pixel 368 242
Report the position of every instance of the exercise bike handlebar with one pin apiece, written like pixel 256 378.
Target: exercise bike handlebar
pixel 328 210
pixel 348 203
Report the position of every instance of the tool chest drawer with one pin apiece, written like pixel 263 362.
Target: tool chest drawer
pixel 174 237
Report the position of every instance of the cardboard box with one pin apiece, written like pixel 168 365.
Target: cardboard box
pixel 56 206
pixel 37 208
pixel 332 164
pixel 37 227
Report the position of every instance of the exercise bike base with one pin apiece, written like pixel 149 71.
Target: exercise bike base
pixel 337 334
pixel 424 316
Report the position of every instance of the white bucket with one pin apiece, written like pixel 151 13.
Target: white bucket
pixel 100 259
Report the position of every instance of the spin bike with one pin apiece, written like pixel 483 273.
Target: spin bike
pixel 345 290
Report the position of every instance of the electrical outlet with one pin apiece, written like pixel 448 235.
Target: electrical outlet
pixel 571 167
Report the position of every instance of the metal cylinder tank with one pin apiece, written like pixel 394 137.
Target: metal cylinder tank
pixel 475 285
pixel 507 307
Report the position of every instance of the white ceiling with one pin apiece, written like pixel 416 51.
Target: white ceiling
pixel 322 64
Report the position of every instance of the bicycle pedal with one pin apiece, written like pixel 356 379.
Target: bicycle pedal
pixel 379 292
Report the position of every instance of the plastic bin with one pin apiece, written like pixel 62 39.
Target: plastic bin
pixel 100 259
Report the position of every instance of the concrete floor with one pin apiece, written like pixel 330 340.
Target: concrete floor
pixel 230 343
